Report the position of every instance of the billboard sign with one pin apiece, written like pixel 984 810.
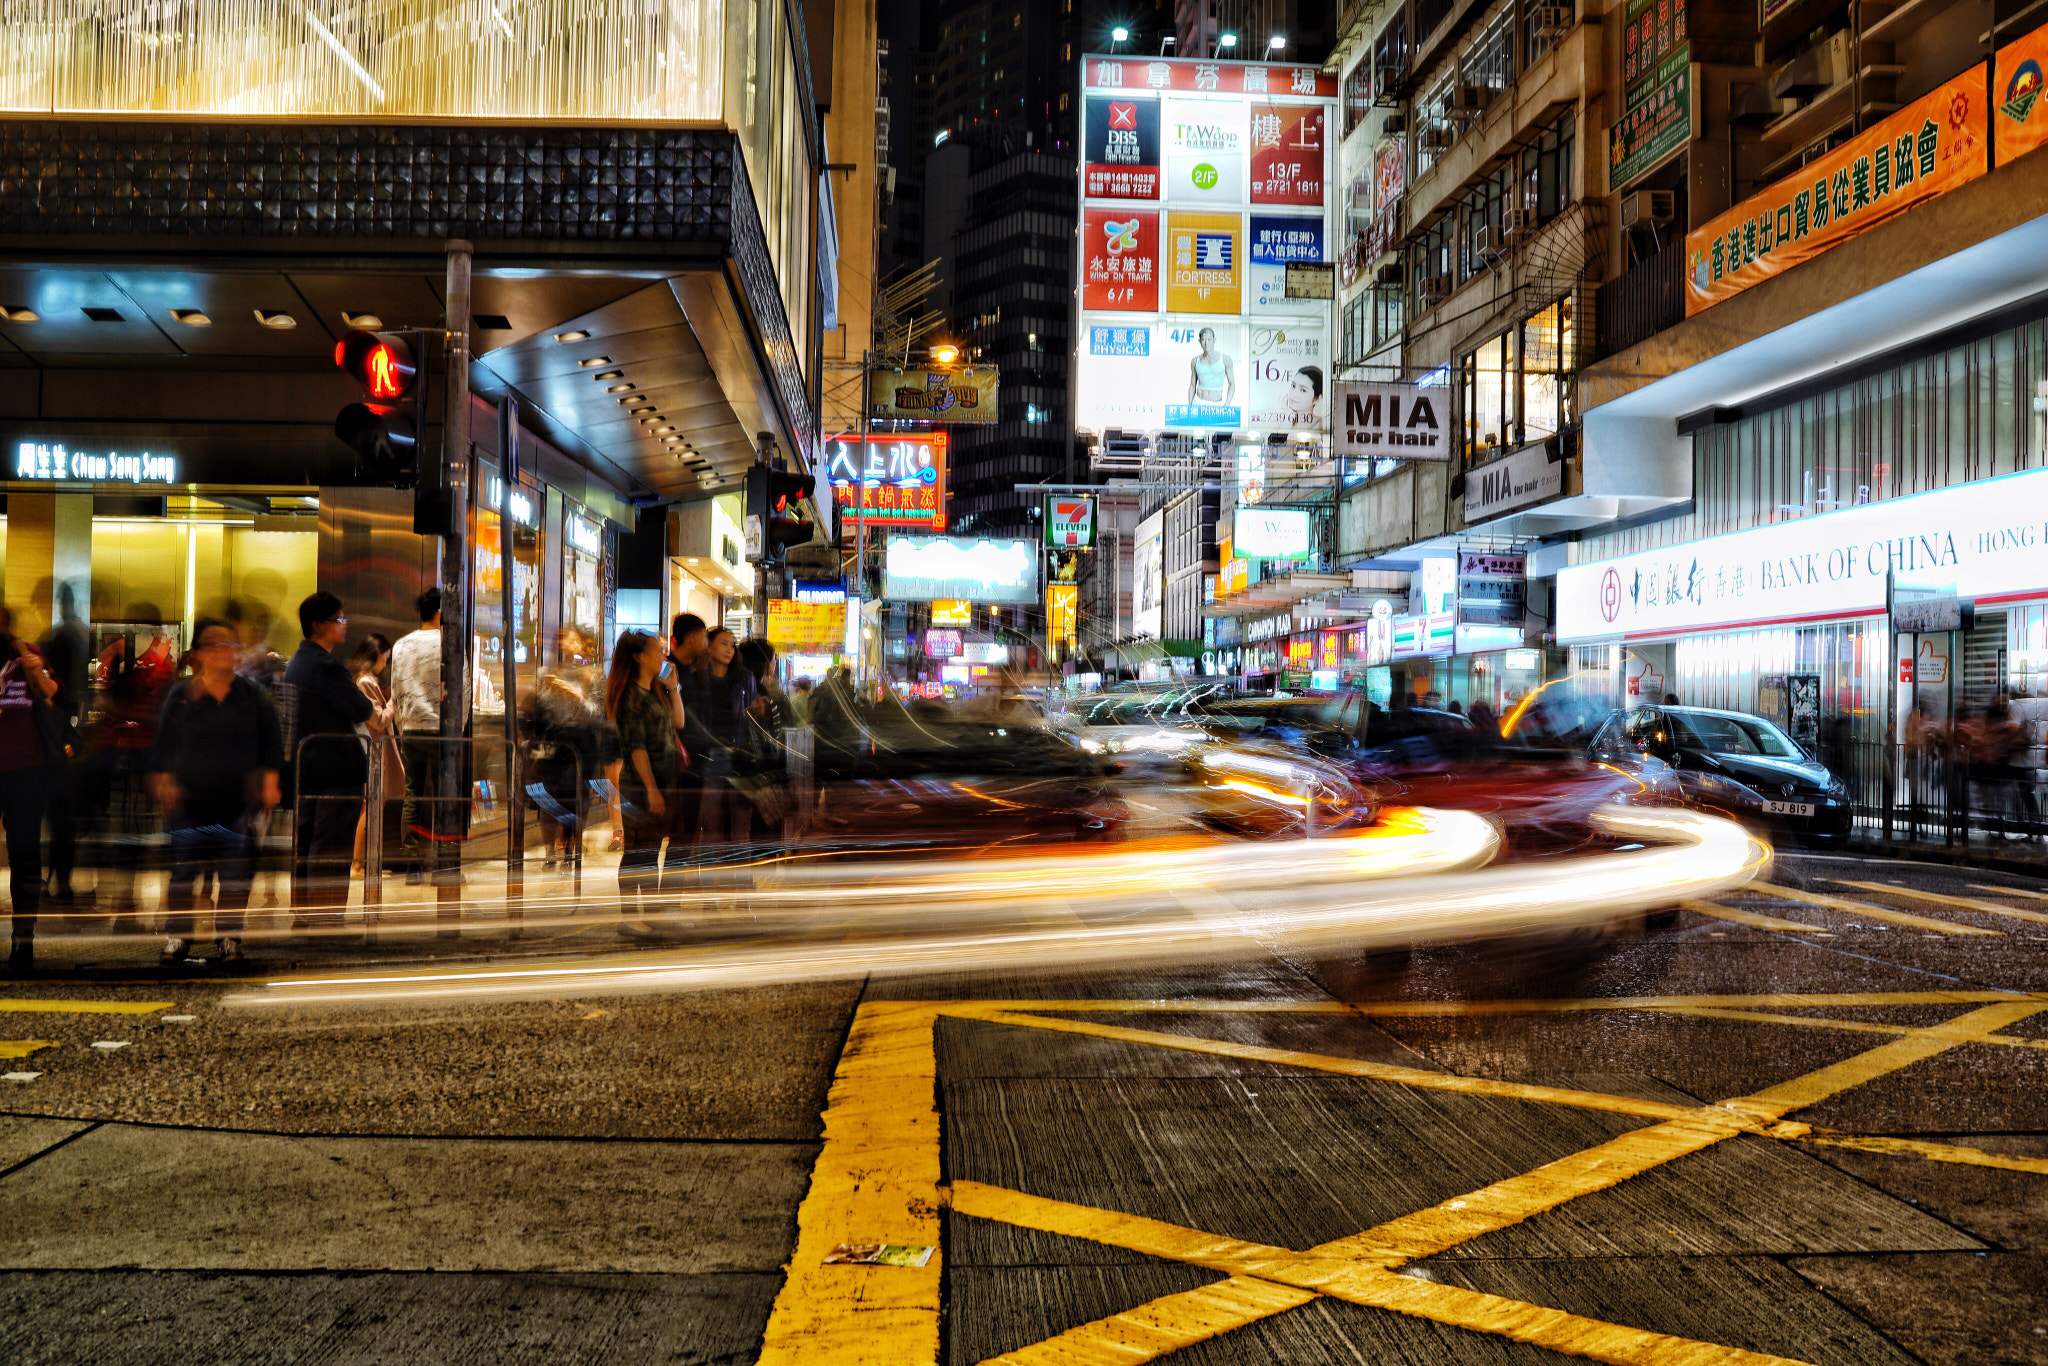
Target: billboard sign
pixel 900 483
pixel 1070 521
pixel 1390 422
pixel 1289 368
pixel 2020 120
pixel 1121 160
pixel 1061 600
pixel 1120 268
pixel 1148 578
pixel 932 568
pixel 1269 533
pixel 967 394
pixel 1238 205
pixel 808 628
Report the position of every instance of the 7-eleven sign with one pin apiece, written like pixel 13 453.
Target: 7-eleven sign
pixel 1070 522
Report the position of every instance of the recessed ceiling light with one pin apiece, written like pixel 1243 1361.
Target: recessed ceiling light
pixel 617 389
pixel 191 317
pixel 369 322
pixel 20 313
pixel 648 421
pixel 610 374
pixel 578 335
pixel 659 430
pixel 643 408
pixel 267 318
pixel 595 360
pixel 103 315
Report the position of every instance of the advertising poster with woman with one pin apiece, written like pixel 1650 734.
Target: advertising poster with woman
pixel 1289 367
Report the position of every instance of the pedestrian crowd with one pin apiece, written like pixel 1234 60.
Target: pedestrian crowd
pixel 680 744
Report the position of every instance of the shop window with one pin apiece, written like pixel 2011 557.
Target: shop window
pixel 1514 386
pixel 1489 398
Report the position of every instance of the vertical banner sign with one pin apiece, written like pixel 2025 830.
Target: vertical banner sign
pixel 1928 148
pixel 1388 422
pixel 1060 599
pixel 1070 521
pixel 1120 260
pixel 2019 118
pixel 1287 153
pixel 1204 272
pixel 1656 75
pixel 1122 156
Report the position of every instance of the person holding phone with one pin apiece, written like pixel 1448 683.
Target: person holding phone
pixel 646 713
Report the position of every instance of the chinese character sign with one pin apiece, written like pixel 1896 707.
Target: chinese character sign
pixel 900 483
pixel 1120 260
pixel 1931 146
pixel 1287 153
pixel 1290 373
pixel 1122 148
pixel 1188 75
pixel 1204 152
pixel 1275 241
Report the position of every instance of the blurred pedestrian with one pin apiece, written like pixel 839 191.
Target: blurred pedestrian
pixel 800 703
pixel 564 752
pixel 641 705
pixel 133 673
pixel 721 741
pixel 766 784
pixel 372 656
pixel 1484 722
pixel 65 651
pixel 416 693
pixel 28 750
pixel 331 763
pixel 687 638
pixel 214 775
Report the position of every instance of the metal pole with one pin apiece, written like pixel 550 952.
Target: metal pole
pixel 860 533
pixel 515 811
pixel 455 578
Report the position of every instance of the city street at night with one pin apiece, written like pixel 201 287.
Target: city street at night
pixel 1802 1123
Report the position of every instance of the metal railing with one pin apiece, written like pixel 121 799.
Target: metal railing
pixel 1640 302
pixel 1933 792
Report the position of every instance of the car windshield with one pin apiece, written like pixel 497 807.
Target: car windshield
pixel 1736 735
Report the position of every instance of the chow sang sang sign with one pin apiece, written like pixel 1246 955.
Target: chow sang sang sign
pixel 1986 541
pixel 1390 421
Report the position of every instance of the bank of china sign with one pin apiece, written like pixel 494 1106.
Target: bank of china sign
pixel 51 462
pixel 1987 541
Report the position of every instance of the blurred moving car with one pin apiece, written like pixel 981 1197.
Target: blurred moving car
pixel 1731 762
pixel 1148 733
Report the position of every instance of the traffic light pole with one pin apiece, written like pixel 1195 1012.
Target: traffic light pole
pixel 455 576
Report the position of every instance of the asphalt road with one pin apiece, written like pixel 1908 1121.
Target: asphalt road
pixel 1802 1123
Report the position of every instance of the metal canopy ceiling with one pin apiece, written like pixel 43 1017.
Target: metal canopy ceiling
pixel 676 342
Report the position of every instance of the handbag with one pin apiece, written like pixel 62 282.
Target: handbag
pixel 56 729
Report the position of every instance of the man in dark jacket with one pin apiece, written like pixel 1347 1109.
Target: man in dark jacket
pixel 215 774
pixel 330 761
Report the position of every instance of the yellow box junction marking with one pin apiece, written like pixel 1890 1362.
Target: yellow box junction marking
pixel 11 1006
pixel 1865 911
pixel 877 1179
pixel 1966 903
pixel 21 1048
pixel 1717 911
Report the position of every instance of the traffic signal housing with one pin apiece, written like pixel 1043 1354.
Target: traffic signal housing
pixel 777 498
pixel 383 430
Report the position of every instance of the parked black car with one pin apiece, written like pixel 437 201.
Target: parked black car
pixel 1739 764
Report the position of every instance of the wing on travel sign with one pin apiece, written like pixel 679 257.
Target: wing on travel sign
pixel 1120 260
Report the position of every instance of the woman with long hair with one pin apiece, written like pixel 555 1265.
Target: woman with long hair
pixel 641 705
pixel 724 736
pixel 366 665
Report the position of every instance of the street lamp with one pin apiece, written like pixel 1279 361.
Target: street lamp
pixel 1227 42
pixel 1120 34
pixel 943 353
pixel 1277 41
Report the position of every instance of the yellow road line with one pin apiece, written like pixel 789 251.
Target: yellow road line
pixel 2009 891
pixel 875 1181
pixel 1967 903
pixel 1144 1333
pixel 1817 1086
pixel 1866 911
pixel 21 1048
pixel 1538 1006
pixel 29 1007
pixel 1933 1152
pixel 1416 1077
pixel 1251 1264
pixel 1750 918
pixel 1853 1026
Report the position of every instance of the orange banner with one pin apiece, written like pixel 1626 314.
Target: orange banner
pixel 2019 112
pixel 1926 149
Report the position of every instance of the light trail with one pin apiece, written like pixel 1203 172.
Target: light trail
pixel 1413 878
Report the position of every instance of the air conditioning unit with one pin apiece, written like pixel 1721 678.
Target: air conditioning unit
pixel 1435 138
pixel 1553 21
pixel 1486 242
pixel 1388 275
pixel 1647 208
pixel 1395 125
pixel 1469 99
pixel 1436 287
pixel 1516 224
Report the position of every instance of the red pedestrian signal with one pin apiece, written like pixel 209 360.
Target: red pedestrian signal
pixel 776 498
pixel 384 432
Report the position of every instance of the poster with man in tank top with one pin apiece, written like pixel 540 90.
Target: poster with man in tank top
pixel 1202 373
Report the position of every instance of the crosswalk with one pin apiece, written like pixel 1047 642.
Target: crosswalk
pixel 1769 906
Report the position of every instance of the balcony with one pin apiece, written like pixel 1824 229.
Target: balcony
pixel 589 60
